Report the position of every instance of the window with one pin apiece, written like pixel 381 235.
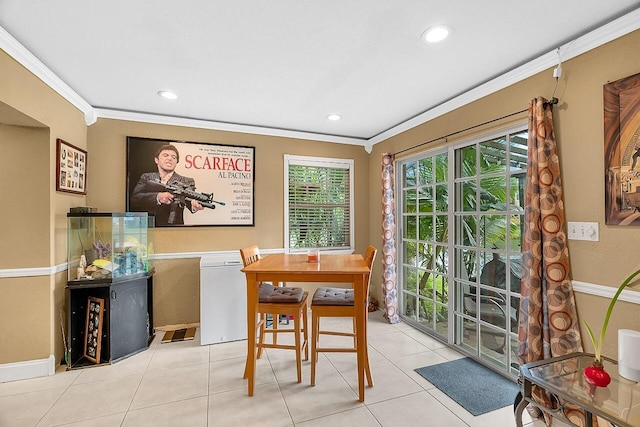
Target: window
pixel 318 203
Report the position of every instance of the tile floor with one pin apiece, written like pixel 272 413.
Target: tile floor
pixel 186 384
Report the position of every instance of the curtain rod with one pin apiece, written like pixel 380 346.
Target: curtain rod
pixel 464 130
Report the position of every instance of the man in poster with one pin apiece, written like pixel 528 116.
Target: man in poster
pixel 151 197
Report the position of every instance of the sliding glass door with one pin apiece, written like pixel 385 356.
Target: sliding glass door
pixel 425 242
pixel 461 226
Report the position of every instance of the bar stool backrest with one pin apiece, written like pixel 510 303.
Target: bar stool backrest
pixel 250 254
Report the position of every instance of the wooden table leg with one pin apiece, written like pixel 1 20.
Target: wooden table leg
pixel 361 334
pixel 252 312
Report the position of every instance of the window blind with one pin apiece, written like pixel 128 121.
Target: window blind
pixel 319 206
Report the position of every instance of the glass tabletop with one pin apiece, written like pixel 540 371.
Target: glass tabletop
pixel 619 401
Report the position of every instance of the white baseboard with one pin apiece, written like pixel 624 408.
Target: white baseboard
pixel 28 369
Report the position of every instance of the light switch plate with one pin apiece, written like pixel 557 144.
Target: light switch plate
pixel 583 231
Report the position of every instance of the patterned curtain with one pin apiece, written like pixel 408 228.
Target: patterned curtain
pixel 548 322
pixel 389 285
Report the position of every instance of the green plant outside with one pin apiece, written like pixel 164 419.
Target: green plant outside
pixel 488 217
pixel 494 229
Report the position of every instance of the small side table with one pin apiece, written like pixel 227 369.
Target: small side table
pixel 618 403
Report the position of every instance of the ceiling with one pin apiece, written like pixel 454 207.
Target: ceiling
pixel 281 67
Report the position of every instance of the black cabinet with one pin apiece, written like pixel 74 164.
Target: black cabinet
pixel 127 318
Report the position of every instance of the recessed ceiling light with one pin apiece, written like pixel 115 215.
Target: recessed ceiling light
pixel 436 34
pixel 334 117
pixel 168 95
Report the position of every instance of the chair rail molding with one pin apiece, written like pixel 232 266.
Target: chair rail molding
pixel 45 367
pixel 606 291
pixel 234 256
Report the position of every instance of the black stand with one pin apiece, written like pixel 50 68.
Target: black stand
pixel 127 321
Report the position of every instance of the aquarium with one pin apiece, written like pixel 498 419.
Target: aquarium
pixel 109 246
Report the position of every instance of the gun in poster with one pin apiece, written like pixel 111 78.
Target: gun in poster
pixel 186 193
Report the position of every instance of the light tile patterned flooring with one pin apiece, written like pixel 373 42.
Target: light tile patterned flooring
pixel 186 384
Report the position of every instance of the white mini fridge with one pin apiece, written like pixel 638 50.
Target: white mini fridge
pixel 223 301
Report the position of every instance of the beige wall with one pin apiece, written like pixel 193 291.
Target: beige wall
pixel 34 234
pixel 29 148
pixel 176 284
pixel 30 307
pixel 579 131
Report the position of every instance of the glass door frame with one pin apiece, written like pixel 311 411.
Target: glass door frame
pixel 452 215
pixel 444 243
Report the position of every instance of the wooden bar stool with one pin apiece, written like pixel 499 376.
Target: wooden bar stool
pixel 336 302
pixel 277 301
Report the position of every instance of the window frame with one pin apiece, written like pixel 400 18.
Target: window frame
pixel 327 162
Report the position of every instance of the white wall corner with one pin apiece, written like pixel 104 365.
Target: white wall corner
pixel 368 146
pixel 90 116
pixel 28 369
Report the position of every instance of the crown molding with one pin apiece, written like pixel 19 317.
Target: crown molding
pixel 18 52
pixel 604 34
pixel 105 113
pixel 608 32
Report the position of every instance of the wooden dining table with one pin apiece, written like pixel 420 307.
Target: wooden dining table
pixel 340 268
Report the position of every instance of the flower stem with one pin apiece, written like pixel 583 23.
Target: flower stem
pixel 603 331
